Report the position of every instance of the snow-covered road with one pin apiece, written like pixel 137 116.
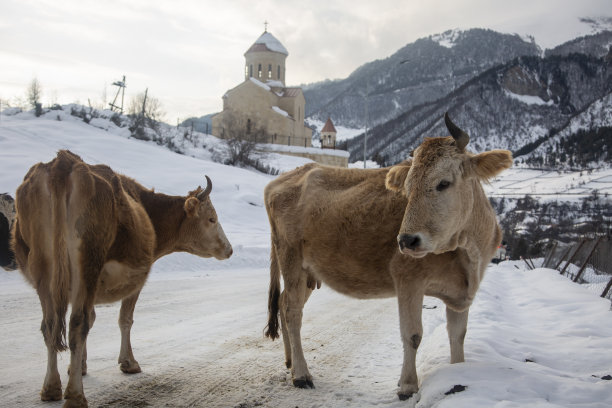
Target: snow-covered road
pixel 534 339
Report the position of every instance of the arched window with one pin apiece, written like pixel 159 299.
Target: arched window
pixel 259 71
pixel 248 129
pixel 278 72
pixel 251 71
pixel 246 71
pixel 269 71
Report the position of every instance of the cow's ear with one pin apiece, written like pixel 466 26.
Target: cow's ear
pixel 191 206
pixel 489 164
pixel 397 176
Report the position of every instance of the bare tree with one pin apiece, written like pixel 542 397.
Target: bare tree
pixel 241 137
pixel 34 93
pixel 145 112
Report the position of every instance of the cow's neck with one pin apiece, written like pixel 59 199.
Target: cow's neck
pixel 167 214
pixel 478 239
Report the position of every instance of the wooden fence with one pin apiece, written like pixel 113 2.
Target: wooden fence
pixel 588 262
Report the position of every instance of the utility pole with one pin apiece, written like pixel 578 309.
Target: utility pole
pixel 120 90
pixel 365 138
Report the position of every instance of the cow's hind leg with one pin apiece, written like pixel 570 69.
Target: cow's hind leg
pixel 85 271
pixel 52 386
pixel 92 319
pixel 128 363
pixel 283 308
pixel 456 325
pixel 295 294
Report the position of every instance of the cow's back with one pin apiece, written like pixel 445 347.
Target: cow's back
pixel 343 221
pixel 58 205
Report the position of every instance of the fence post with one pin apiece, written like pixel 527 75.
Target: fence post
pixel 551 252
pixel 567 252
pixel 583 267
pixel 605 292
pixel 573 256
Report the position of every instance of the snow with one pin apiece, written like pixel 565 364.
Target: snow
pixel 280 111
pixel 272 43
pixel 448 38
pixel 534 339
pixel 528 99
pixel 260 84
pixel 275 84
pixel 550 185
pixel 343 133
pixel 298 149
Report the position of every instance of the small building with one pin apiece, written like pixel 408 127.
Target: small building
pixel 328 135
pixel 262 103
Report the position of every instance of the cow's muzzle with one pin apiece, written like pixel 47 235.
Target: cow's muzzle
pixel 411 244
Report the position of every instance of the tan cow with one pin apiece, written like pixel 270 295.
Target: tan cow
pixel 343 227
pixel 86 235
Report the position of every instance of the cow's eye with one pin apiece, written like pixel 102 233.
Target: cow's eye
pixel 443 185
pixel 212 220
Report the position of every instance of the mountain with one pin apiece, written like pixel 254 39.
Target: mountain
pixel 597 45
pixel 418 73
pixel 516 106
pixel 202 124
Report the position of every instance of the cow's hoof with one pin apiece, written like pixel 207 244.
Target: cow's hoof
pixel 130 367
pixel 406 391
pixel 404 397
pixel 51 393
pixel 79 402
pixel 303 383
pixel 288 363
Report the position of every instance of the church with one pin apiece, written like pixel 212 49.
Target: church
pixel 262 105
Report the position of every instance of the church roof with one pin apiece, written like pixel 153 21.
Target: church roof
pixel 267 42
pixel 329 127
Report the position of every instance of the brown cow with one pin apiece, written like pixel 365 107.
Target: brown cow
pixel 340 226
pixel 86 235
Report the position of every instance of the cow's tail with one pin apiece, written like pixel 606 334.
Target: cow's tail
pixel 271 330
pixel 60 270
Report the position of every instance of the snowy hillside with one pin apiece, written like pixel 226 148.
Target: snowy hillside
pixel 535 339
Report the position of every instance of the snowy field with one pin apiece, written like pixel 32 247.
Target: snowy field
pixel 535 339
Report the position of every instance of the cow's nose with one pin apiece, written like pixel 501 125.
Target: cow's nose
pixel 410 241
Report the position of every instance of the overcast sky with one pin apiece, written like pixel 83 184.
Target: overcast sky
pixel 189 52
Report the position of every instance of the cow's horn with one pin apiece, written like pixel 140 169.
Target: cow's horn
pixel 207 190
pixel 461 138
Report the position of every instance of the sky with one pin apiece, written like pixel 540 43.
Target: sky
pixel 188 53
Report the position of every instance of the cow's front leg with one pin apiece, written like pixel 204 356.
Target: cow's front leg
pixel 128 363
pixel 411 329
pixel 456 325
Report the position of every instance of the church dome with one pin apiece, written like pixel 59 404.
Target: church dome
pixel 267 42
pixel 265 60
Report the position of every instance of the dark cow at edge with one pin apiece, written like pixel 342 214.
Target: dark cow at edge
pixel 344 226
pixel 86 235
pixel 7 217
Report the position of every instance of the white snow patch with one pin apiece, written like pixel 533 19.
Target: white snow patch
pixel 528 99
pixel 448 38
pixel 260 84
pixel 272 43
pixel 280 111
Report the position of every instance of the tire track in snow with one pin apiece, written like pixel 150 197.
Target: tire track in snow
pixel 249 371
